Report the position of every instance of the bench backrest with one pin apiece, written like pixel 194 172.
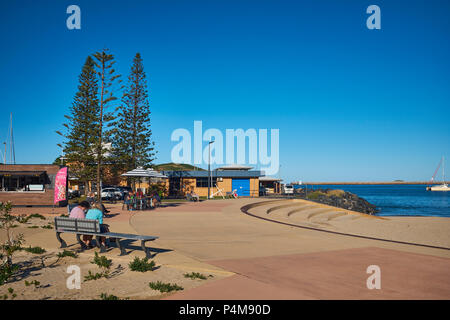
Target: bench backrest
pixel 77 225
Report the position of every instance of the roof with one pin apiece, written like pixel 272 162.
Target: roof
pixel 21 173
pixel 234 167
pixel 265 178
pixel 215 174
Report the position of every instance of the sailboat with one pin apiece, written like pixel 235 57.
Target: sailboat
pixel 443 186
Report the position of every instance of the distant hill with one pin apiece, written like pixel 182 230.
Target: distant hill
pixel 176 167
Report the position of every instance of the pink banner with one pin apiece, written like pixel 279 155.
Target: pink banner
pixel 60 185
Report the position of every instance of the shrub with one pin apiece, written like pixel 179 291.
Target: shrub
pixel 105 296
pixel 67 253
pixel 12 243
pixel 47 227
pixel 6 271
pixel 35 250
pixel 141 265
pixel 164 287
pixel 315 195
pixel 337 193
pixel 34 282
pixel 33 227
pixel 195 275
pixel 93 276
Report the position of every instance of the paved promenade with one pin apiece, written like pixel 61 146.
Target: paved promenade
pixel 275 261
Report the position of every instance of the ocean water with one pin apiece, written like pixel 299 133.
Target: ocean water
pixel 400 200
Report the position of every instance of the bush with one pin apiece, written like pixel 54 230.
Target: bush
pixel 141 265
pixel 105 296
pixel 337 193
pixel 34 282
pixel 164 287
pixel 6 271
pixel 195 275
pixel 35 250
pixel 93 276
pixel 67 253
pixel 315 195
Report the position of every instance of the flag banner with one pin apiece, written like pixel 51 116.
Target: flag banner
pixel 61 185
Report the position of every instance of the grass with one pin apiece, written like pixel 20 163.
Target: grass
pixel 48 226
pixel 33 227
pixel 35 250
pixel 164 287
pixel 195 275
pixel 141 265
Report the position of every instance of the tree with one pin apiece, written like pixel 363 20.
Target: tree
pixel 82 128
pixel 107 77
pixel 132 144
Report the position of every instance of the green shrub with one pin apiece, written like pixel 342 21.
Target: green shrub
pixel 6 271
pixel 141 265
pixel 93 276
pixel 34 282
pixel 35 250
pixel 315 195
pixel 195 275
pixel 164 287
pixel 33 227
pixel 105 296
pixel 49 226
pixel 67 253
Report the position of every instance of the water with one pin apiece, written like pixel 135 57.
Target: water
pixel 400 200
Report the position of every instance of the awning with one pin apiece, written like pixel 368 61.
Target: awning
pixel 22 173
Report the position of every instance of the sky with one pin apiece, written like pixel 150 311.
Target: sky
pixel 351 104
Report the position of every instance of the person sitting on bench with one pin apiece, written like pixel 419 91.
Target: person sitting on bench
pixel 79 213
pixel 95 213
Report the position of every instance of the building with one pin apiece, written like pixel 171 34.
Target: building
pixel 229 178
pixel 28 184
pixel 269 185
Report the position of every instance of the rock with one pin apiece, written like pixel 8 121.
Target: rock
pixel 339 198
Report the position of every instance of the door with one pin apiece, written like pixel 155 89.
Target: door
pixel 242 187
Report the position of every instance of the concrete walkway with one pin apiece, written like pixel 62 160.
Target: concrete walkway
pixel 275 261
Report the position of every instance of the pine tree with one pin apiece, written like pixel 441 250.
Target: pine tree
pixel 107 77
pixel 82 127
pixel 133 146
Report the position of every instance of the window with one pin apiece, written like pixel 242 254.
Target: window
pixel 203 182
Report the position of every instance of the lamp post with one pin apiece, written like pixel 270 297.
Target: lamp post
pixel 209 168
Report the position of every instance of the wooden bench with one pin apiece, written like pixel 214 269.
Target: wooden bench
pixel 92 228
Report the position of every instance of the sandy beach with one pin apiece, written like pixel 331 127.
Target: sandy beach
pixel 246 257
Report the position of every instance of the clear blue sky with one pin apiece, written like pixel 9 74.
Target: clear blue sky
pixel 351 103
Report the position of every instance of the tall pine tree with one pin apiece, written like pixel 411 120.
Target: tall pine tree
pixel 82 127
pixel 132 144
pixel 108 81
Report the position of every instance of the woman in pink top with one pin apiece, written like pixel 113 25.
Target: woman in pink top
pixel 79 211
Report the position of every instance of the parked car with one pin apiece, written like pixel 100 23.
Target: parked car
pixel 288 189
pixel 111 193
pixel 123 190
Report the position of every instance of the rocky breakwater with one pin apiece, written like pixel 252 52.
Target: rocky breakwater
pixel 339 198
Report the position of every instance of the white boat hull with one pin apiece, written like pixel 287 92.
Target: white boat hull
pixel 442 187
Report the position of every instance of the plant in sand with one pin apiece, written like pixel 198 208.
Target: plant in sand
pixel 141 265
pixel 104 264
pixel 11 244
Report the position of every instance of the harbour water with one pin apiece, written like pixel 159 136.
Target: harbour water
pixel 400 200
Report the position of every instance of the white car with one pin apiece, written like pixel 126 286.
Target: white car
pixel 107 193
pixel 288 189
